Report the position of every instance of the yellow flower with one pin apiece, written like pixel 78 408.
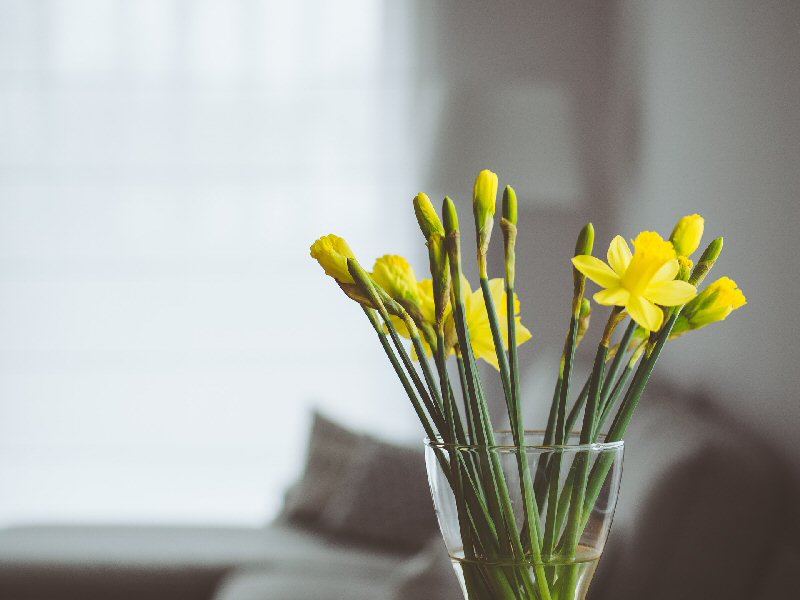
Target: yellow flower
pixel 640 281
pixel 395 275
pixel 687 234
pixel 713 304
pixel 332 253
pixel 480 333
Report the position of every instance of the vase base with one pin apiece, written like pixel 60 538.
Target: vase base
pixel 566 579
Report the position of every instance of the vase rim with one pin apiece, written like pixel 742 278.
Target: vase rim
pixel 598 446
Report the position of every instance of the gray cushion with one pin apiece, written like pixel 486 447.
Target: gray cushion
pixel 330 449
pixel 272 585
pixel 383 498
pixel 428 575
pixel 45 563
pixel 698 507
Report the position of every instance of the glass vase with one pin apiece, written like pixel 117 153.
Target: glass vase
pixel 528 521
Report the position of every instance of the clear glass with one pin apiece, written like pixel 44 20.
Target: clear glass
pixel 572 493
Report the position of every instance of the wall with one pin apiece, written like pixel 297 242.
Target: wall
pixel 704 120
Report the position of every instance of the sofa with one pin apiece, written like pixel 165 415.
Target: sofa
pixel 702 514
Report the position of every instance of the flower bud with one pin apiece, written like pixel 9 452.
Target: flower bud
pixel 449 215
pixel 583 247
pixel 687 234
pixel 585 241
pixel 484 199
pixel 484 204
pixel 332 253
pixel 427 218
pixel 713 304
pixel 510 205
pixel 706 262
pixel 394 274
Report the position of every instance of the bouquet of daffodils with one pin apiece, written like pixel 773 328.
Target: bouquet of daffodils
pixel 652 289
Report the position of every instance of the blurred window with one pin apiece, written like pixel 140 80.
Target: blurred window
pixel 164 166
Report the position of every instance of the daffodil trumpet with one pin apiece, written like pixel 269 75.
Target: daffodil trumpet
pixel 650 285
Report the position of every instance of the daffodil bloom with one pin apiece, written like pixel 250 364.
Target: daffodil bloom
pixel 395 275
pixel 638 281
pixel 687 234
pixel 480 332
pixel 713 304
pixel 332 253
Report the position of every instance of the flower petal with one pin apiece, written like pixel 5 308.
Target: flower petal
pixel 645 313
pixel 596 270
pixel 619 255
pixel 670 293
pixel 523 333
pixel 667 271
pixel 617 296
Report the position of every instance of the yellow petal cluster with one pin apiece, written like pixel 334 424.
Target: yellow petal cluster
pixel 480 332
pixel 477 317
pixel 396 276
pixel 640 281
pixel 713 304
pixel 332 253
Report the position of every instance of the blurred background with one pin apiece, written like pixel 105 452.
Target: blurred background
pixel 165 165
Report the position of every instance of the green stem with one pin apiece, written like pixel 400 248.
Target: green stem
pixel 616 363
pixel 531 508
pixel 624 415
pixel 423 417
pixel 623 381
pixel 578 406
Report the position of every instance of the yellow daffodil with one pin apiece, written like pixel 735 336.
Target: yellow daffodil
pixel 480 332
pixel 713 304
pixel 638 281
pixel 395 275
pixel 332 253
pixel 687 234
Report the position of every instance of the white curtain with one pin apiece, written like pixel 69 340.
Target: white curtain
pixel 164 166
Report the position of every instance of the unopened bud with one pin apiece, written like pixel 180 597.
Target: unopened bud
pixel 427 218
pixel 450 216
pixel 706 262
pixel 510 205
pixel 687 234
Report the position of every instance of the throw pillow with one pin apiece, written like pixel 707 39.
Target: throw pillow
pixel 383 498
pixel 330 450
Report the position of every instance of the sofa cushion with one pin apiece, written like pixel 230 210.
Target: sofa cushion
pixel 382 498
pixel 698 508
pixel 277 585
pixel 428 575
pixel 330 448
pixel 87 562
